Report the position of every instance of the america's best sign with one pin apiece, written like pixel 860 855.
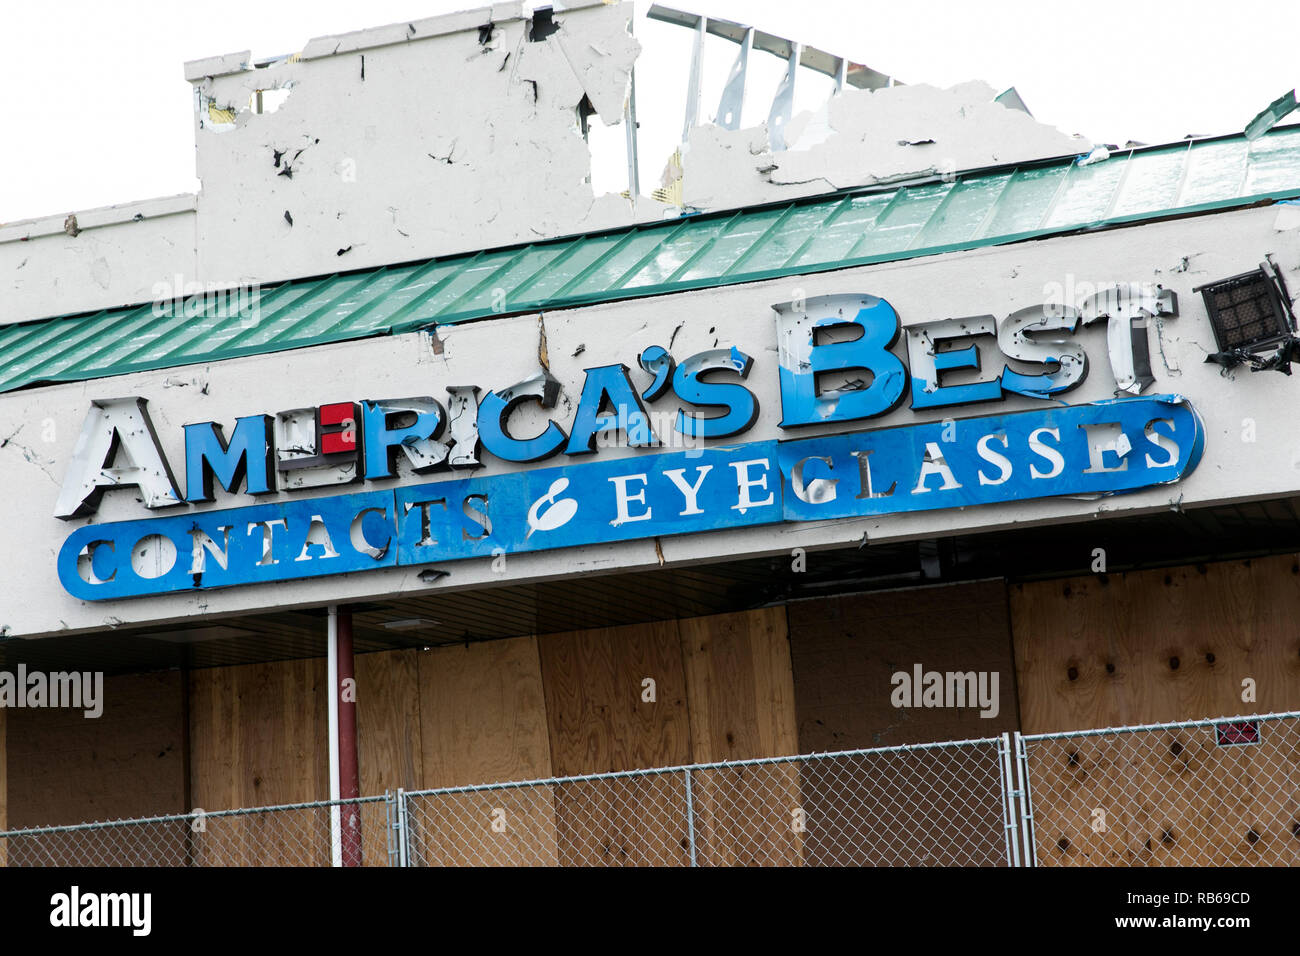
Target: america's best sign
pixel 720 482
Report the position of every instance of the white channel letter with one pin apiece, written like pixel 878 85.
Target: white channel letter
pixel 690 493
pixel 819 490
pixel 1046 452
pixel 268 537
pixel 204 545
pixel 1163 441
pixel 317 533
pixel 622 498
pixel 933 464
pixel 994 458
pixel 744 482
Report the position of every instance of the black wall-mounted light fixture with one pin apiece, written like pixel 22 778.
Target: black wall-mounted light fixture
pixel 1252 319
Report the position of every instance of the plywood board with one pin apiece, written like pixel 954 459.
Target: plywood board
pixel 740 685
pixel 67 768
pixel 483 720
pixel 600 721
pixel 594 688
pixel 64 767
pixel 388 736
pixel 740 689
pixel 1168 798
pixel 846 651
pixel 1157 646
pixel 388 721
pixel 259 737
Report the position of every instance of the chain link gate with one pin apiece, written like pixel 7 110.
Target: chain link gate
pixel 1220 792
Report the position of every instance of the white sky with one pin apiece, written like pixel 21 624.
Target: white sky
pixel 97 110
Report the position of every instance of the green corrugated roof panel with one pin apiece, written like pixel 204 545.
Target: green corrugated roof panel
pixel 816 235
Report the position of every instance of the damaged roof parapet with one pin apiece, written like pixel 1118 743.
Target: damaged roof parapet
pixel 416 29
pixel 505 160
pixel 93 258
pixel 414 140
pixel 98 217
pixel 864 137
pixel 447 135
pixel 367 39
pixel 871 130
pixel 844 70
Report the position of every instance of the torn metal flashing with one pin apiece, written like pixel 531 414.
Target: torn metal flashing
pixel 855 74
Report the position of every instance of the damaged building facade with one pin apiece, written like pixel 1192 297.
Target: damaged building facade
pixel 723 470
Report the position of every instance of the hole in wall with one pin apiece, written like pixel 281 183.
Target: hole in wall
pixel 542 25
pixel 268 101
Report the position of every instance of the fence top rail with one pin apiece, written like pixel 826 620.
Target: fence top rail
pixel 716 765
pixel 195 814
pixel 1171 725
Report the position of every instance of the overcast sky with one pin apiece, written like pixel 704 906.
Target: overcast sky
pixel 97 111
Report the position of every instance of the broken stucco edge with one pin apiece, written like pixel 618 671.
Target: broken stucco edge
pixel 139 210
pixel 395 33
pixel 389 35
pixel 218 65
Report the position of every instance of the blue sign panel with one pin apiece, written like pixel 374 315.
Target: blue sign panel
pixel 1080 450
pixel 644 497
pixel 281 541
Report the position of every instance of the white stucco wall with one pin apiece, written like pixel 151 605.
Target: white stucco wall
pixel 403 143
pixel 96 258
pixel 42 424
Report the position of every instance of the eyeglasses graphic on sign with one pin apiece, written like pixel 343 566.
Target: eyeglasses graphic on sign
pixel 547 513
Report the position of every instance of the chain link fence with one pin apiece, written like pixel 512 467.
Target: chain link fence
pixel 1220 792
pixel 928 804
pixel 290 835
pixel 931 804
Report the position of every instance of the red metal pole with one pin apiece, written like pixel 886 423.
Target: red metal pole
pixel 349 770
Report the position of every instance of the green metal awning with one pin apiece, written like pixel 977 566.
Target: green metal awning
pixel 827 232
